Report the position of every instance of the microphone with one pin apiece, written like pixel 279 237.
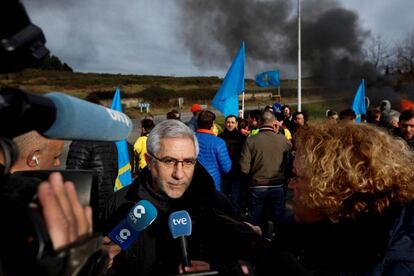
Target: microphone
pixel 140 217
pixel 60 116
pixel 180 226
pixel 88 121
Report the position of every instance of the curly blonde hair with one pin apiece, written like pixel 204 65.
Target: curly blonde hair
pixel 354 169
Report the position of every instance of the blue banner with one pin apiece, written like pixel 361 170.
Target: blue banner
pixel 124 167
pixel 359 105
pixel 269 78
pixel 227 98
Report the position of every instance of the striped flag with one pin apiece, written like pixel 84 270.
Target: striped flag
pixel 124 167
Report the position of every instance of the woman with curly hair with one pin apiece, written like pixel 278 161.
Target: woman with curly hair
pixel 353 211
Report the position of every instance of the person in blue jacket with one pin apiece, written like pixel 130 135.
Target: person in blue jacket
pixel 213 155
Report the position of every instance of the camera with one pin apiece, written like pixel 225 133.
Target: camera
pixel 26 246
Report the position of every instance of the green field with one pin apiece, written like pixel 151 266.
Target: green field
pixel 162 92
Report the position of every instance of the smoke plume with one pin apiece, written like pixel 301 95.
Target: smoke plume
pixel 331 36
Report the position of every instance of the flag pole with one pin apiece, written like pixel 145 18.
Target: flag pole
pixel 299 63
pixel 242 114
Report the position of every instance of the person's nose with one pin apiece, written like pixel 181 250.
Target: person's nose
pixel 178 172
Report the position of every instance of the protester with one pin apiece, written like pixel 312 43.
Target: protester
pixel 298 121
pixel 391 119
pixel 175 181
pixel 174 114
pixel 102 159
pixel 406 127
pixel 140 146
pixel 387 115
pixel 254 121
pixel 347 116
pixel 352 205
pixel 213 151
pixel 195 109
pixel 36 152
pixel 280 128
pixel 373 116
pixel 385 105
pixel 332 115
pixel 243 126
pixel 216 129
pixel 262 162
pixel 234 142
pixel 268 108
pixel 287 116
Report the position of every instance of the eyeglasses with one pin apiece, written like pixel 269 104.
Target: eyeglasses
pixel 172 162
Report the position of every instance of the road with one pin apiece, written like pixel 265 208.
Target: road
pixel 185 117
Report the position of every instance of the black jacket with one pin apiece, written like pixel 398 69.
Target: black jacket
pixel 102 158
pixel 397 132
pixel 234 142
pixel 217 237
pixel 373 245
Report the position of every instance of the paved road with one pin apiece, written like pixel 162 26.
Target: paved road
pixel 185 117
pixel 136 132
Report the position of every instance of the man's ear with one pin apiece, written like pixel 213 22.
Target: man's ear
pixel 32 159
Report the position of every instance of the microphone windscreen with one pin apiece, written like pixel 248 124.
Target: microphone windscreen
pixel 180 224
pixel 77 119
pixel 141 215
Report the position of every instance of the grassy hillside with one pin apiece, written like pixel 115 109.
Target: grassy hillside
pixel 161 91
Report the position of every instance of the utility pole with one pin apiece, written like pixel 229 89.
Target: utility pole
pixel 299 63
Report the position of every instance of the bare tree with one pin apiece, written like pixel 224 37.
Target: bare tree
pixel 377 52
pixel 404 51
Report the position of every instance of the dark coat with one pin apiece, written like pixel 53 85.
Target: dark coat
pixel 217 237
pixel 234 142
pixel 397 132
pixel 372 245
pixel 102 159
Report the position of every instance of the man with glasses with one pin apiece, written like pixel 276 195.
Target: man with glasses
pixel 175 181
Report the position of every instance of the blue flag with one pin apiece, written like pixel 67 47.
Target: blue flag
pixel 227 98
pixel 124 167
pixel 269 78
pixel 359 105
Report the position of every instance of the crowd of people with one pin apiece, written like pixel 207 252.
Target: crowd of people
pixel 350 187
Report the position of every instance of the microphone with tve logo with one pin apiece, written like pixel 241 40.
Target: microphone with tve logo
pixel 127 231
pixel 180 227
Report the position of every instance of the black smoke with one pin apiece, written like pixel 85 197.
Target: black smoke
pixel 332 38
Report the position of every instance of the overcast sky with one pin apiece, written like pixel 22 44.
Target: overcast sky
pixel 147 36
